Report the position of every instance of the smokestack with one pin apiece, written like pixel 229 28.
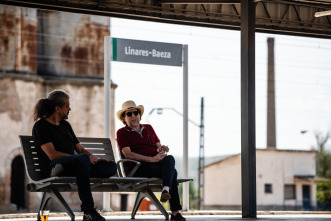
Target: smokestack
pixel 271 112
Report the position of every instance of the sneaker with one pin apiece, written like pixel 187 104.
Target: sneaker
pixel 177 217
pixel 165 196
pixel 57 170
pixel 93 215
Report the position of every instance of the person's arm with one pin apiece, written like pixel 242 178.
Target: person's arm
pixel 80 149
pixel 135 156
pixel 159 146
pixel 50 151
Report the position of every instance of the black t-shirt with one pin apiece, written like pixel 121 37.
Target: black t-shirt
pixel 61 136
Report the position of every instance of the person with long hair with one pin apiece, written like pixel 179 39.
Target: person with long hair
pixel 57 143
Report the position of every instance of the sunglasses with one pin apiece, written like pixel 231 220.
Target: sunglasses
pixel 129 114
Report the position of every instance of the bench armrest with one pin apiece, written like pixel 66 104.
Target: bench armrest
pixel 121 171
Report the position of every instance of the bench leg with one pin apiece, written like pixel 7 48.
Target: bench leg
pixel 59 198
pixel 139 198
pixel 43 203
pixel 152 197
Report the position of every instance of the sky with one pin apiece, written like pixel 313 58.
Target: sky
pixel 302 87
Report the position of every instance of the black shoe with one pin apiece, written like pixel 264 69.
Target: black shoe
pixel 57 170
pixel 177 217
pixel 93 215
pixel 165 196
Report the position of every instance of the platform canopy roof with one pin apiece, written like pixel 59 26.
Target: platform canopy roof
pixel 295 17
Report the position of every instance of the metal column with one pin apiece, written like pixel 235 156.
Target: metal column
pixel 107 111
pixel 248 143
pixel 185 129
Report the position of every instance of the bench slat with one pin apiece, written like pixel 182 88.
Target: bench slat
pixel 95 150
pixel 96 146
pixel 83 140
pixel 31 158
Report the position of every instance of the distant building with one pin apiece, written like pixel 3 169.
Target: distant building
pixel 285 180
pixel 41 51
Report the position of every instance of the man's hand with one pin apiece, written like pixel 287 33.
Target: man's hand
pixel 158 157
pixel 163 149
pixel 94 159
pixel 135 156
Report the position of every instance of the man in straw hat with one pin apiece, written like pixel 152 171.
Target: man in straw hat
pixel 140 142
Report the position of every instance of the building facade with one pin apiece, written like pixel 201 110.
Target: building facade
pixel 285 180
pixel 41 51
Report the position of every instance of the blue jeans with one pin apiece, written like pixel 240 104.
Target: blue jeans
pixel 165 169
pixel 79 165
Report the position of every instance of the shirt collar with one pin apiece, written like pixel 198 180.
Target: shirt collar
pixel 131 130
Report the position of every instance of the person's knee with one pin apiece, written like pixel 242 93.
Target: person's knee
pixel 108 169
pixel 82 158
pixel 175 173
pixel 169 159
pixel 175 177
pixel 112 169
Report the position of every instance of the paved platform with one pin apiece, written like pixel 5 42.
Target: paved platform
pixel 190 216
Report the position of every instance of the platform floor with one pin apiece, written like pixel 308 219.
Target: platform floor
pixel 190 216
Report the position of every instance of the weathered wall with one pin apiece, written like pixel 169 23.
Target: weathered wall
pixel 71 44
pixel 51 43
pixel 18 39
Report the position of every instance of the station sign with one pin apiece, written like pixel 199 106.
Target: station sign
pixel 147 52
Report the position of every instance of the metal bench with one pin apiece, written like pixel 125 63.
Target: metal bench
pixel 101 147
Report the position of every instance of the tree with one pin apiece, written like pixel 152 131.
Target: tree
pixel 193 195
pixel 324 195
pixel 323 171
pixel 323 155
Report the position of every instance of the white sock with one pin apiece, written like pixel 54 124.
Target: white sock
pixel 174 213
pixel 165 188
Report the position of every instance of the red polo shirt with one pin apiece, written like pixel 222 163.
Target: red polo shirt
pixel 143 142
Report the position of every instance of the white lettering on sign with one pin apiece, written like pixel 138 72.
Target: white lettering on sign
pixel 137 52
pixel 161 54
pixel 146 53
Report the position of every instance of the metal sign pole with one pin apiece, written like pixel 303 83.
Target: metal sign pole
pixel 185 128
pixel 107 112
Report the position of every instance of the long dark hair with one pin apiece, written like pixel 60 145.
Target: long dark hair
pixel 46 106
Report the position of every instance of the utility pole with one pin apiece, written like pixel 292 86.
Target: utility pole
pixel 201 190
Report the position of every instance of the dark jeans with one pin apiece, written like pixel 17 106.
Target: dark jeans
pixel 79 165
pixel 165 169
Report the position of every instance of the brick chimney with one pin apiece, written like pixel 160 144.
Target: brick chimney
pixel 271 112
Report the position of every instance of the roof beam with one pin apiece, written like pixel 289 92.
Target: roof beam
pixel 198 1
pixel 204 13
pixel 323 13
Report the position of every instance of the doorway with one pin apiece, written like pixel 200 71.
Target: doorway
pixel 306 197
pixel 17 184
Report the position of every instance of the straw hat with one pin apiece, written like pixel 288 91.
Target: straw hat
pixel 127 105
